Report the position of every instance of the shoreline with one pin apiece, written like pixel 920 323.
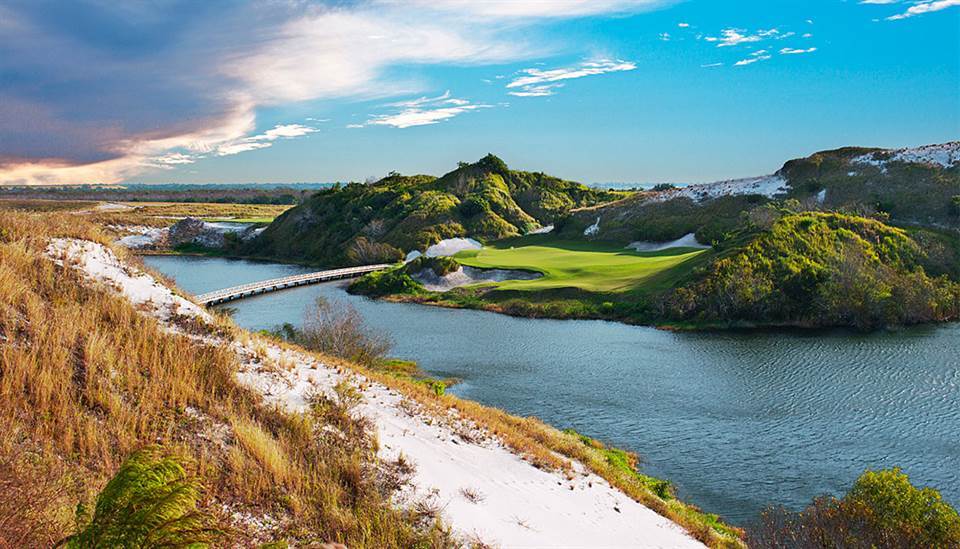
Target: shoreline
pixel 616 524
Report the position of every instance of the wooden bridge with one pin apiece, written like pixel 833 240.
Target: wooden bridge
pixel 256 288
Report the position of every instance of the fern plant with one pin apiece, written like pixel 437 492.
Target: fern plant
pixel 150 502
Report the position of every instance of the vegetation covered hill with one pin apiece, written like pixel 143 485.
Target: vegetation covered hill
pixel 821 269
pixel 371 223
pixel 918 187
pixel 776 267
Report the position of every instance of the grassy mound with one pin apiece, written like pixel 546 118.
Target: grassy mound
pixel 373 223
pixel 821 269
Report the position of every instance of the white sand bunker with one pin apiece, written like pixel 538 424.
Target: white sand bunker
pixel 465 276
pixel 450 246
pixel 686 241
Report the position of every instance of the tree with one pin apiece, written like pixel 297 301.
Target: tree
pixel 882 510
pixel 337 329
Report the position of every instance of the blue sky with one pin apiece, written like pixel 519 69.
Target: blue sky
pixel 596 91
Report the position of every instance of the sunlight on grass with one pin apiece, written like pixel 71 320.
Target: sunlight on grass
pixel 596 267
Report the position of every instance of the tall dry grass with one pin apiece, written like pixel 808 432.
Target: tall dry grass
pixel 85 380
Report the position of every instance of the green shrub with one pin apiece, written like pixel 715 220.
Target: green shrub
pixel 474 205
pixel 150 502
pixel 882 509
pixel 439 265
pixel 389 282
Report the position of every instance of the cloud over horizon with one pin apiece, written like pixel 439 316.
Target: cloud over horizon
pixel 95 92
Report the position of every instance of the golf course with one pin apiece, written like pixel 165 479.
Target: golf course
pixel 592 266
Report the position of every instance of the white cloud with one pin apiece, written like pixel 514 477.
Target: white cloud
pixel 683 25
pixel 534 82
pixel 263 140
pixel 530 8
pixel 665 36
pixel 925 7
pixel 710 65
pixel 422 111
pixel 794 51
pixel 270 54
pixel 542 90
pixel 734 37
pixel 759 55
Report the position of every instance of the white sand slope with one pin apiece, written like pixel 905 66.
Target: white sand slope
pixel 686 241
pixel 944 155
pixel 517 505
pixel 767 185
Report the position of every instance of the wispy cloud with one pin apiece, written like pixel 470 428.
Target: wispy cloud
pixel 263 140
pixel 795 51
pixel 759 55
pixel 539 83
pixel 422 111
pixel 734 37
pixel 921 8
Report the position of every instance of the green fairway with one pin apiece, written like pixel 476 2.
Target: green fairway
pixel 596 267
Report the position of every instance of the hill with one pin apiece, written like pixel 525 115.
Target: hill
pixel 777 267
pixel 916 186
pixel 822 269
pixel 381 221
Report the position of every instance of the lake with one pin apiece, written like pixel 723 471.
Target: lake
pixel 736 420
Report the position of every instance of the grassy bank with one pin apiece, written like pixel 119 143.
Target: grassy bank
pixel 87 380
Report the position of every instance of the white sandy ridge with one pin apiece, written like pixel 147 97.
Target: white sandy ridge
pixel 518 505
pixel 944 155
pixel 767 185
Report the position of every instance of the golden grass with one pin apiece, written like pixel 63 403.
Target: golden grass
pixel 166 213
pixel 40 205
pixel 85 380
pixel 264 448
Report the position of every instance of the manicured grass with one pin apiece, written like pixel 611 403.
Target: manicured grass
pixel 591 266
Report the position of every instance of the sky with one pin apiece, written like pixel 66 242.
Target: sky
pixel 220 91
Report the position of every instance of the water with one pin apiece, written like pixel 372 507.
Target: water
pixel 736 421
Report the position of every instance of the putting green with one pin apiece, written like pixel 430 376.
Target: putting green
pixel 596 267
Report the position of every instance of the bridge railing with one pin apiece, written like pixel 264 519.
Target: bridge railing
pixel 234 292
